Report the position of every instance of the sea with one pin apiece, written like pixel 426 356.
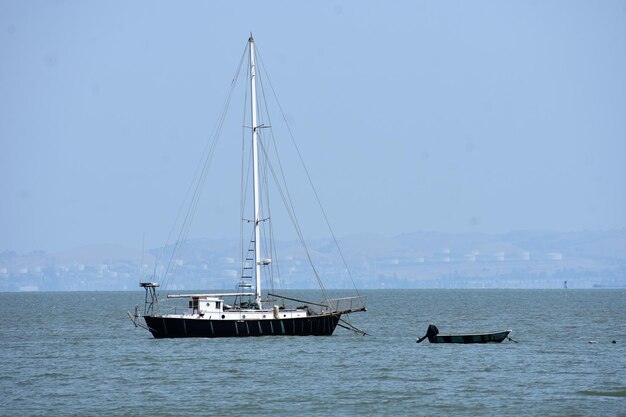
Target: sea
pixel 78 354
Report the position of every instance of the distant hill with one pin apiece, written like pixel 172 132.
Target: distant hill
pixel 521 259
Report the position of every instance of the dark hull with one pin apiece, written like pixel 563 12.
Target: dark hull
pixel 495 337
pixel 170 327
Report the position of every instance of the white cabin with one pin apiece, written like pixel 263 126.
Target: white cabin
pixel 205 305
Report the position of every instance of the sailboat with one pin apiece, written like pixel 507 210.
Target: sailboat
pixel 249 313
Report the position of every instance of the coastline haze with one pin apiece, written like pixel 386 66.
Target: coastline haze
pixel 459 118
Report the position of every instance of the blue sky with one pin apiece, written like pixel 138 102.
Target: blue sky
pixel 452 116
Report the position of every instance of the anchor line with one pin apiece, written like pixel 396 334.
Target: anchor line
pixel 352 327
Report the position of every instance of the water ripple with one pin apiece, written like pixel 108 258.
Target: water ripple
pixel 66 360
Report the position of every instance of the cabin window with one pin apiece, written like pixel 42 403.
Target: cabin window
pixel 218 304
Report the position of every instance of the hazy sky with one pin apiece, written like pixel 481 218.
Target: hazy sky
pixel 452 116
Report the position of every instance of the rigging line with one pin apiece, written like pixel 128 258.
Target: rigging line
pixel 268 230
pixel 245 184
pixel 265 201
pixel 275 263
pixel 244 193
pixel 296 225
pixel 265 208
pixel 269 242
pixel 183 233
pixel 289 201
pixel 244 177
pixel 310 180
pixel 272 242
pixel 197 179
pixel 290 205
pixel 200 176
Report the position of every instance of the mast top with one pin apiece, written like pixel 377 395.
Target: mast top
pixel 250 39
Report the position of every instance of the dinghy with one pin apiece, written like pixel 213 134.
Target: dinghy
pixel 433 336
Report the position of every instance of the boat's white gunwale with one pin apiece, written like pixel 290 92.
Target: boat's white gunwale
pixel 475 334
pixel 243 315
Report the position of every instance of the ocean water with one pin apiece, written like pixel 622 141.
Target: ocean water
pixel 78 354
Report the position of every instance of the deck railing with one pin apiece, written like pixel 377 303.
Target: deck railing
pixel 346 304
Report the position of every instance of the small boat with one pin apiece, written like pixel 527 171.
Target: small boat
pixel 433 336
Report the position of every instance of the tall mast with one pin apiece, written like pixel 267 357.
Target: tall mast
pixel 255 179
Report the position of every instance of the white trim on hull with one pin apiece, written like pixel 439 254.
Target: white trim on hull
pixel 243 315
